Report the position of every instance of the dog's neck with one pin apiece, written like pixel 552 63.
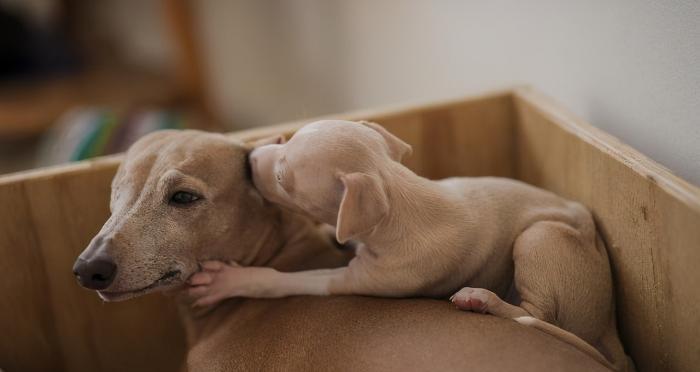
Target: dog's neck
pixel 287 242
pixel 264 238
pixel 416 205
pixel 264 243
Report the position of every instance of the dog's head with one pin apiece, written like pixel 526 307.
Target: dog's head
pixel 177 198
pixel 330 170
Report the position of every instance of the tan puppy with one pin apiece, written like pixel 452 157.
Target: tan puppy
pixel 502 238
pixel 184 196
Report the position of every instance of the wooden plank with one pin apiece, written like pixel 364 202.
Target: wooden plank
pixel 28 340
pixel 471 136
pixel 377 114
pixel 649 219
pixel 57 325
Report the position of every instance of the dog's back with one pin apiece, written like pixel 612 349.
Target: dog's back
pixel 352 333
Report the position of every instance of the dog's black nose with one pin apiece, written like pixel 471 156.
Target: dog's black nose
pixel 96 273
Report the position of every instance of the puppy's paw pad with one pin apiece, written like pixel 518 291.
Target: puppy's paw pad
pixel 472 299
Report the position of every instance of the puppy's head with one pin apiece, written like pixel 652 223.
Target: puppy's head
pixel 178 197
pixel 330 170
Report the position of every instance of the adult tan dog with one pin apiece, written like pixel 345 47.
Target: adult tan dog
pixel 502 238
pixel 182 197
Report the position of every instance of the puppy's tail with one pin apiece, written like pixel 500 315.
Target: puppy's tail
pixel 567 337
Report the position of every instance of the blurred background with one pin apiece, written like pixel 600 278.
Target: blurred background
pixel 82 78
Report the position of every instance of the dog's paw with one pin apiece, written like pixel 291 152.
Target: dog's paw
pixel 472 299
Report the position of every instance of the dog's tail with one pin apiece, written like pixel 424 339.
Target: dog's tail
pixel 567 337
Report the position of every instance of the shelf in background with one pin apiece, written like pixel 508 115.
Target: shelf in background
pixel 28 109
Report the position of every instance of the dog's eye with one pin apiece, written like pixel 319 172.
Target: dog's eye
pixel 184 197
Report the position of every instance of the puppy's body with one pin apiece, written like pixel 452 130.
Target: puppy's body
pixel 522 243
pixel 502 238
pixel 462 230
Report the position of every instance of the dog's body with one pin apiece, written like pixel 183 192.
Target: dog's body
pixel 154 240
pixel 502 238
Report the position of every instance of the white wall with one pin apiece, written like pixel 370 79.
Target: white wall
pixel 629 67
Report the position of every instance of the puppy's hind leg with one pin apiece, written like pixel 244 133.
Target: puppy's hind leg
pixel 563 277
pixel 484 301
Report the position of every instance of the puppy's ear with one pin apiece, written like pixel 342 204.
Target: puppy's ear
pixel 363 206
pixel 398 149
pixel 272 140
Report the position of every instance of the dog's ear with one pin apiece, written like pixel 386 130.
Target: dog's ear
pixel 272 140
pixel 398 149
pixel 363 206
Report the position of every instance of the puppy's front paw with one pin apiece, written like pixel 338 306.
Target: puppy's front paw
pixel 472 299
pixel 214 283
pixel 218 281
